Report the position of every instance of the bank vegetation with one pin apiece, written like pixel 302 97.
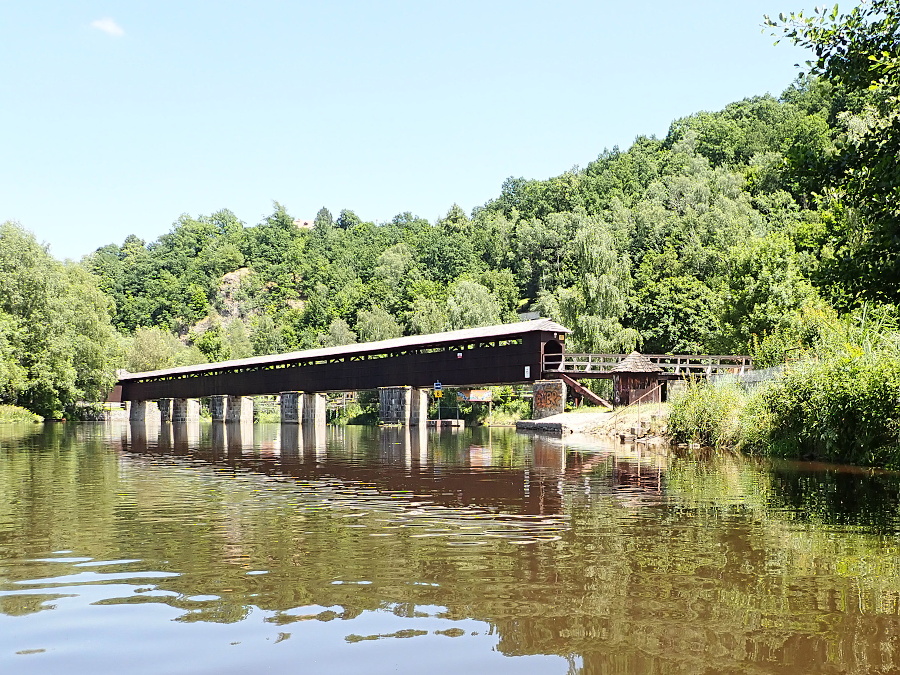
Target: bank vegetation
pixel 837 399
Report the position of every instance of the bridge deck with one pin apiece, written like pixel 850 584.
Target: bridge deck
pixel 675 365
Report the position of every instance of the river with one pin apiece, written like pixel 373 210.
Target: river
pixel 357 550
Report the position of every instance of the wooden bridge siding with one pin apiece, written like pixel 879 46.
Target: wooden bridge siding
pixel 478 366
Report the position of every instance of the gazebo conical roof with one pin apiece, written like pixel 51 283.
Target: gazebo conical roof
pixel 636 362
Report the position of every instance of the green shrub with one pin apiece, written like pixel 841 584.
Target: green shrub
pixel 511 411
pixel 13 413
pixel 843 408
pixel 363 412
pixel 508 407
pixel 842 403
pixel 354 414
pixel 707 413
pixel 267 417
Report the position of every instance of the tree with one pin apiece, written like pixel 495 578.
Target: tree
pixel 502 285
pixel 859 50
pixel 323 219
pixel 427 315
pixel 211 342
pixel 12 374
pixel 347 220
pixel 56 340
pixel 237 340
pixel 762 292
pixel 674 311
pixel 338 334
pixel 155 349
pixel 443 256
pixel 456 221
pixel 265 336
pixel 471 305
pixel 594 306
pixel 376 324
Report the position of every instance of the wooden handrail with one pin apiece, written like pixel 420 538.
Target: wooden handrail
pixel 688 364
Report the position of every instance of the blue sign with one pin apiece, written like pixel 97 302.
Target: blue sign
pixel 438 386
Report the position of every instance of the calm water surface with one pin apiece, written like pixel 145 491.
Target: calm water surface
pixel 346 550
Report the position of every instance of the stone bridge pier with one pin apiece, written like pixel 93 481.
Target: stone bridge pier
pixel 143 411
pixel 549 398
pixel 403 405
pixel 303 407
pixel 185 410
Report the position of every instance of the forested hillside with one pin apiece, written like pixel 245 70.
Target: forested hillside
pixel 698 242
pixel 740 231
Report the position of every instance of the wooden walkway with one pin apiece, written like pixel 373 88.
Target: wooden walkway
pixel 678 365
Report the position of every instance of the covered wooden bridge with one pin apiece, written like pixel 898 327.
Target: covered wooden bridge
pixel 403 370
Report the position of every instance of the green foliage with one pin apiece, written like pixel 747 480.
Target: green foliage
pixel 426 316
pixel 363 412
pixel 843 406
pixel 858 51
pixel 212 343
pixel 764 288
pixel 838 401
pixel 338 334
pixel 707 413
pixel 12 414
pixel 594 305
pixel 156 349
pixel 797 338
pixel 265 337
pixel 323 219
pixel 471 305
pixel 237 340
pixel 376 324
pixel 56 342
pixel 705 241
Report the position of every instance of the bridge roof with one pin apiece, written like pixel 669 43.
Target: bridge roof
pixel 503 331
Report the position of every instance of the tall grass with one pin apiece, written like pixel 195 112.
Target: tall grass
pixel 707 413
pixel 13 413
pixel 843 408
pixel 839 403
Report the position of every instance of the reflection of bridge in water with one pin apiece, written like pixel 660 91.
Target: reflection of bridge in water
pixel 444 468
pixel 474 485
pixel 396 460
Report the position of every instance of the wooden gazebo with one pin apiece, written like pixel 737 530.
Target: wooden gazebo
pixel 635 377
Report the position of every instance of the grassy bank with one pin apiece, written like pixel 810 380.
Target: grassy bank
pixel 12 413
pixel 839 403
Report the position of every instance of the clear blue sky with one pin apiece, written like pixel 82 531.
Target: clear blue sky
pixel 118 116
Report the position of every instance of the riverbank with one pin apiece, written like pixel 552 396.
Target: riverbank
pixel 12 414
pixel 843 409
pixel 641 422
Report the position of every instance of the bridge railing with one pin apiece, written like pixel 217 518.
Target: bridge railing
pixel 679 364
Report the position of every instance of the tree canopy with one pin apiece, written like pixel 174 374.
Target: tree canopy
pixel 57 345
pixel 858 52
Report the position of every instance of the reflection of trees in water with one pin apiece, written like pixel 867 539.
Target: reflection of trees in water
pixel 679 568
pixel 839 496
